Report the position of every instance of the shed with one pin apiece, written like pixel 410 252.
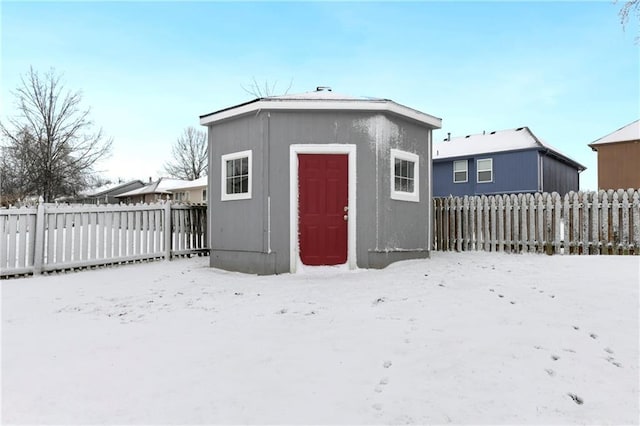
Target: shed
pixel 318 178
pixel 502 162
pixel 619 158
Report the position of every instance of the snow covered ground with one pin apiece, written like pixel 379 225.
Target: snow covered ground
pixel 459 338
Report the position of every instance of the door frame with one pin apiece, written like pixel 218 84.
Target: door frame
pixel 294 150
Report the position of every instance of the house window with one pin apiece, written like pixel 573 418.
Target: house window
pixel 236 176
pixel 204 195
pixel 460 170
pixel 485 170
pixel 405 176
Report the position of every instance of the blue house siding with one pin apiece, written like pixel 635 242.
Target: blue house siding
pixel 558 176
pixel 513 172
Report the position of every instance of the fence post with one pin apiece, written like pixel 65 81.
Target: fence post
pixel 167 230
pixel 38 254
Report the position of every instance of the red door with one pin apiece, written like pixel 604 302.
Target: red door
pixel 323 198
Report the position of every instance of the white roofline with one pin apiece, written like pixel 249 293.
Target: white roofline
pixel 323 105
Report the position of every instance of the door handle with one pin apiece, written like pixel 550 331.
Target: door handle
pixel 346 208
pixel 345 217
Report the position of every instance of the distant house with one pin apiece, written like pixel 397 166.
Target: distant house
pixel 152 192
pixel 108 194
pixel 619 158
pixel 193 191
pixel 505 161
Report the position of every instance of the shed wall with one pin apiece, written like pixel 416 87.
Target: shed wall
pixel 256 231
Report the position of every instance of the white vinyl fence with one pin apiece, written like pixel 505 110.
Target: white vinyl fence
pixel 604 222
pixel 58 237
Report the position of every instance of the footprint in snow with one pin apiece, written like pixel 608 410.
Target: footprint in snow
pixel 500 295
pixel 555 357
pixel 608 350
pixel 576 398
pixel 575 327
pixel 377 406
pixel 593 336
pixel 550 372
pixel 387 364
pixel 379 300
pixel 614 362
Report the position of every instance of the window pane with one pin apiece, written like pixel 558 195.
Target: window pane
pixel 398 167
pixel 460 166
pixel 410 169
pixel 484 176
pixel 398 184
pixel 409 185
pixel 244 184
pixel 244 166
pixel 484 164
pixel 229 168
pixel 229 185
pixel 460 176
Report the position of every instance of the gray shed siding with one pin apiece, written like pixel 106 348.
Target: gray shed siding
pixel 513 172
pixel 559 176
pixel 386 230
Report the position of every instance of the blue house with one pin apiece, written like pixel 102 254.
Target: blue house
pixel 501 162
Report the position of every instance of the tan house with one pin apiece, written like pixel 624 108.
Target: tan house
pixel 193 191
pixel 619 158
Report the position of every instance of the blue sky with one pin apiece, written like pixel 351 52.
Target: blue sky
pixel 148 70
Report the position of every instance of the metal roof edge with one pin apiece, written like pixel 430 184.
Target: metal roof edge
pixel 321 105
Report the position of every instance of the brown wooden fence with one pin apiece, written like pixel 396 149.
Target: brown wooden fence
pixel 604 222
pixel 53 237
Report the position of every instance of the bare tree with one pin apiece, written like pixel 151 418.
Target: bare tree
pixel 49 148
pixel 190 159
pixel 630 7
pixel 626 10
pixel 265 89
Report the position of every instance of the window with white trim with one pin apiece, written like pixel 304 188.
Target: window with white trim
pixel 460 171
pixel 485 170
pixel 405 176
pixel 236 176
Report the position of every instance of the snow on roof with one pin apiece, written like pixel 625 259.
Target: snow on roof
pixel 161 186
pixel 630 132
pixel 200 182
pixel 102 190
pixel 520 138
pixel 321 100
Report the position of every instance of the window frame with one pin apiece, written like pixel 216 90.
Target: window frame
pixel 224 196
pixel 466 171
pixel 413 158
pixel 478 170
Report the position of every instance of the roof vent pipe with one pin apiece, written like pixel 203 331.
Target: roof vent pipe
pixel 448 136
pixel 323 89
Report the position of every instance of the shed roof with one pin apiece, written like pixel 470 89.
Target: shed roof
pixel 630 132
pixel 517 139
pixel 321 100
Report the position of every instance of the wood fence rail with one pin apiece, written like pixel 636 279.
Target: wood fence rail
pixel 604 222
pixel 57 237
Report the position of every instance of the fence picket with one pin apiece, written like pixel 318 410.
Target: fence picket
pixel 615 223
pixel 625 223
